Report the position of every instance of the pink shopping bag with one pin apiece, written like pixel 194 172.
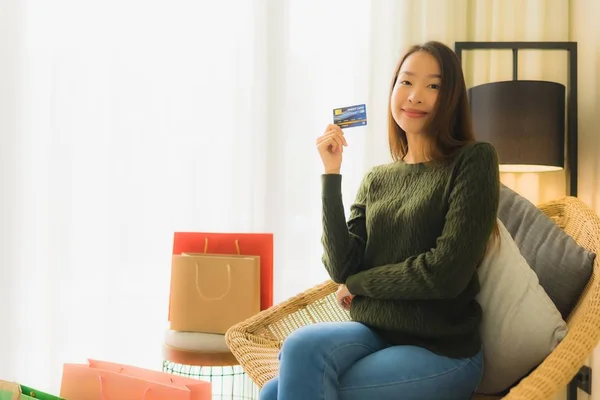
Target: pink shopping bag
pixel 101 380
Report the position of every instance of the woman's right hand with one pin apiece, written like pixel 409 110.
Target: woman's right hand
pixel 344 297
pixel 331 146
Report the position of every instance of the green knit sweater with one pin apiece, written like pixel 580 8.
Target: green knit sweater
pixel 410 250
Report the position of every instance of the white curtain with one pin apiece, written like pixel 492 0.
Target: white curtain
pixel 123 121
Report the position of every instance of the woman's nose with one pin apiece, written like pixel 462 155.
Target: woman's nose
pixel 414 98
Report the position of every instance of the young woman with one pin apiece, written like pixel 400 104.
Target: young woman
pixel 406 259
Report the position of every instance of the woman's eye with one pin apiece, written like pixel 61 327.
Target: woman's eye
pixel 404 82
pixel 434 86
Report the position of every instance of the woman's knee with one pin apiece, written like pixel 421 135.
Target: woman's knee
pixel 269 390
pixel 302 341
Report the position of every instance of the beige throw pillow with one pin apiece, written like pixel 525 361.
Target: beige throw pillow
pixel 521 325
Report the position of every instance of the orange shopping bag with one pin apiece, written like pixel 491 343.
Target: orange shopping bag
pixel 101 380
pixel 250 244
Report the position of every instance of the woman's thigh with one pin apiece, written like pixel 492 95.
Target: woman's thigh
pixel 313 358
pixel 340 342
pixel 411 373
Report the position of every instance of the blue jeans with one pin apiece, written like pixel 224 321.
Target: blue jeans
pixel 349 361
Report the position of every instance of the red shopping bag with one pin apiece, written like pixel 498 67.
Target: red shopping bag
pixel 248 244
pixel 100 380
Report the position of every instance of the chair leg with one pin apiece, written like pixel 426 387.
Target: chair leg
pixel 583 381
pixel 572 390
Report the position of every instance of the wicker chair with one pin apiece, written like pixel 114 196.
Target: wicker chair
pixel 256 342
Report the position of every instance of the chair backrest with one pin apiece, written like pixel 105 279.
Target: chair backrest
pixel 583 225
pixel 557 370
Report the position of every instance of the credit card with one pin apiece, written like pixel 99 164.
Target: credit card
pixel 348 117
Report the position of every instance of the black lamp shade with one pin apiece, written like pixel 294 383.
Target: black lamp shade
pixel 524 121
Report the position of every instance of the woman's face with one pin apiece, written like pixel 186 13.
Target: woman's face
pixel 416 91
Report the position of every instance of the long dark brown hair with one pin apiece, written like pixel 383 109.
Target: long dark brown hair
pixel 450 125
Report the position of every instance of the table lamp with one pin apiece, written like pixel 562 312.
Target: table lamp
pixel 524 120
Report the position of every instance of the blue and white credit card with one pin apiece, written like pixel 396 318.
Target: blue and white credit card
pixel 348 117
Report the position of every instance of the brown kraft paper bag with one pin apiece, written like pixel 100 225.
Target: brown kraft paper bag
pixel 211 292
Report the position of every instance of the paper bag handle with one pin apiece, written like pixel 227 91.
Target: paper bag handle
pixel 237 246
pixel 203 297
pixel 103 396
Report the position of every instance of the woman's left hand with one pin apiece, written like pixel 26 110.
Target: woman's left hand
pixel 344 297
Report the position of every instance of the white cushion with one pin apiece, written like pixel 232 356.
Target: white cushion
pixel 521 325
pixel 200 342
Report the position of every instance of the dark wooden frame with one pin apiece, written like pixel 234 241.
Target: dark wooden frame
pixel 571 48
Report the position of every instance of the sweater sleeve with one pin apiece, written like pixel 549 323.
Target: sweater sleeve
pixel 444 271
pixel 343 242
